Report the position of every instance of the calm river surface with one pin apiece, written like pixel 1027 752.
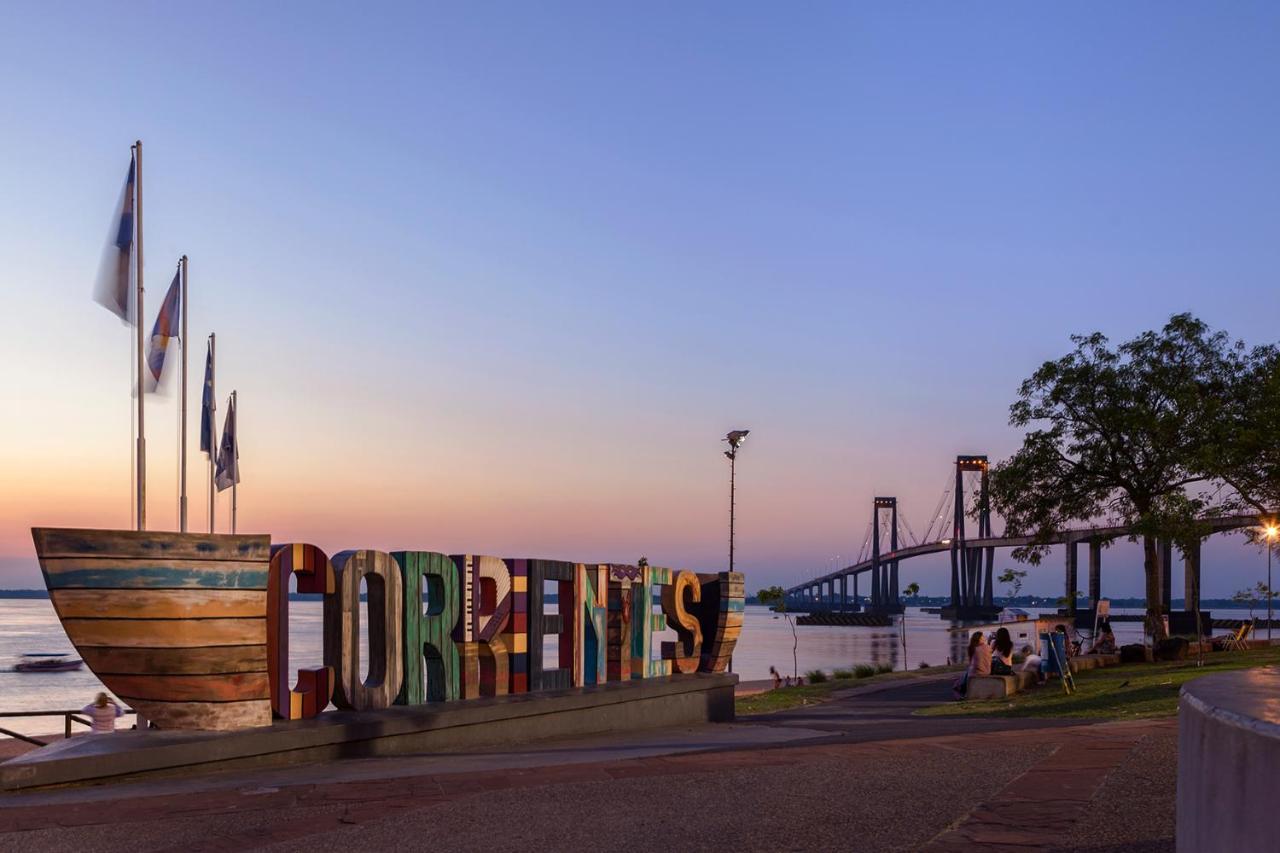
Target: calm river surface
pixel 32 626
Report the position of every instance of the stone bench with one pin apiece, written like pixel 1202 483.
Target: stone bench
pixel 1002 686
pixel 999 686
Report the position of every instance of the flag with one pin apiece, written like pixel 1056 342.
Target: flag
pixel 228 471
pixel 113 288
pixel 207 421
pixel 166 328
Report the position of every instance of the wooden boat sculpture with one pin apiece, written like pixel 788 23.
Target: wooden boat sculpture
pixel 175 624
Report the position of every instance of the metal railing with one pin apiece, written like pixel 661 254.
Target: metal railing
pixel 68 718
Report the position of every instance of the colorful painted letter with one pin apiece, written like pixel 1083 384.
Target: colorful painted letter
pixel 315 685
pixel 428 635
pixel 342 630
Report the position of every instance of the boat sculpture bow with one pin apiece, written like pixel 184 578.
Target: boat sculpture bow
pixel 175 624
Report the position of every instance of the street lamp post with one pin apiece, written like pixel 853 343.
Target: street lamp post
pixel 1272 531
pixel 735 440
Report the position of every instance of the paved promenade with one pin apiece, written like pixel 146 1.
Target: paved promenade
pixel 858 773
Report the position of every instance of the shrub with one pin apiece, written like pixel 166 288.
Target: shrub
pixel 924 664
pixel 840 674
pixel 864 670
pixel 883 668
pixel 815 676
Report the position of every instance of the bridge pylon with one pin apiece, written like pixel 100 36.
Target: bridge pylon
pixel 971 568
pixel 885 597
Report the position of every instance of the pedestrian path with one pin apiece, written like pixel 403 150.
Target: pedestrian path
pixel 856 773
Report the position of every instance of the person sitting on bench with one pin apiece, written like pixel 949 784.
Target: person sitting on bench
pixel 1002 653
pixel 979 664
pixel 1105 643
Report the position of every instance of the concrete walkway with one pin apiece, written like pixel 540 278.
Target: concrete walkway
pixel 858 773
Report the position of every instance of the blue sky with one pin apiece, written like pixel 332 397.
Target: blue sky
pixel 497 278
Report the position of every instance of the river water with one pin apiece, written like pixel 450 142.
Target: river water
pixel 767 640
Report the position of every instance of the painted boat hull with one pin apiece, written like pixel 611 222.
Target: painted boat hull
pixel 175 624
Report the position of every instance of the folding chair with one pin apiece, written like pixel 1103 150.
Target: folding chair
pixel 1239 641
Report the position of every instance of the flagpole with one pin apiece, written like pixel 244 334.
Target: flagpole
pixel 213 425
pixel 235 462
pixel 142 440
pixel 182 418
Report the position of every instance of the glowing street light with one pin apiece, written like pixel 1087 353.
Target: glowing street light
pixel 1271 531
pixel 735 440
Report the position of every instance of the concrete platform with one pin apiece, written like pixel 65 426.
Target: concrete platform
pixel 478 723
pixel 1229 761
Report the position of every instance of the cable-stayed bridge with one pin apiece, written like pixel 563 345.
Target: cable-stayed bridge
pixel 890 540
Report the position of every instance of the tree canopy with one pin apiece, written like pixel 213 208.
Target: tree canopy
pixel 1248 461
pixel 1141 434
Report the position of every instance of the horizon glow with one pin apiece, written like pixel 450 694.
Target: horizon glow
pixel 499 281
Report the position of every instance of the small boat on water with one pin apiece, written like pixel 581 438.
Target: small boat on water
pixel 47 662
pixel 174 624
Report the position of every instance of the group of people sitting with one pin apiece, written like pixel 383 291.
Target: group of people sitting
pixel 995 657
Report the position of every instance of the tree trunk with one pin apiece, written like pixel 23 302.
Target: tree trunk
pixel 1155 596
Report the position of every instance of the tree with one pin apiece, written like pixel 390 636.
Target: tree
pixel 1249 460
pixel 774 595
pixel 1014 578
pixel 1122 433
pixel 912 590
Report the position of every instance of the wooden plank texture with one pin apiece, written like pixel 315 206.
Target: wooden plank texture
pixel 431 662
pixel 314 572
pixel 386 620
pixel 166 633
pixel 148 573
pixel 176 661
pixel 193 688
pixel 212 716
pixel 686 650
pixel 159 603
pixel 82 542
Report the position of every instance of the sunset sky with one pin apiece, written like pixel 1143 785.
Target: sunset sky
pixel 498 279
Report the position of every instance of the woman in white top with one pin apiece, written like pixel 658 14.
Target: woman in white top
pixel 103 713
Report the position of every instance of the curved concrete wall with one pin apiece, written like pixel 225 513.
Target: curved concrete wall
pixel 1229 761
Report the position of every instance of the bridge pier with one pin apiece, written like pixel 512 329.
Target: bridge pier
pixel 1095 573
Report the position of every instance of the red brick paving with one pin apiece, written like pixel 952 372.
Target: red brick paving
pixel 1034 811
pixel 1029 813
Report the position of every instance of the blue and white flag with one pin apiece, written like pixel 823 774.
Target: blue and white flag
pixel 207 421
pixel 228 471
pixel 165 329
pixel 113 286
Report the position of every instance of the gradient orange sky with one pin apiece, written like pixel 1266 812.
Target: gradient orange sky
pixel 500 281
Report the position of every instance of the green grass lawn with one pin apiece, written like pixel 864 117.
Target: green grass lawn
pixel 1130 691
pixel 811 694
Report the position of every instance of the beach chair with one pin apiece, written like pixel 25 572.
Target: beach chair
pixel 1239 641
pixel 1053 658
